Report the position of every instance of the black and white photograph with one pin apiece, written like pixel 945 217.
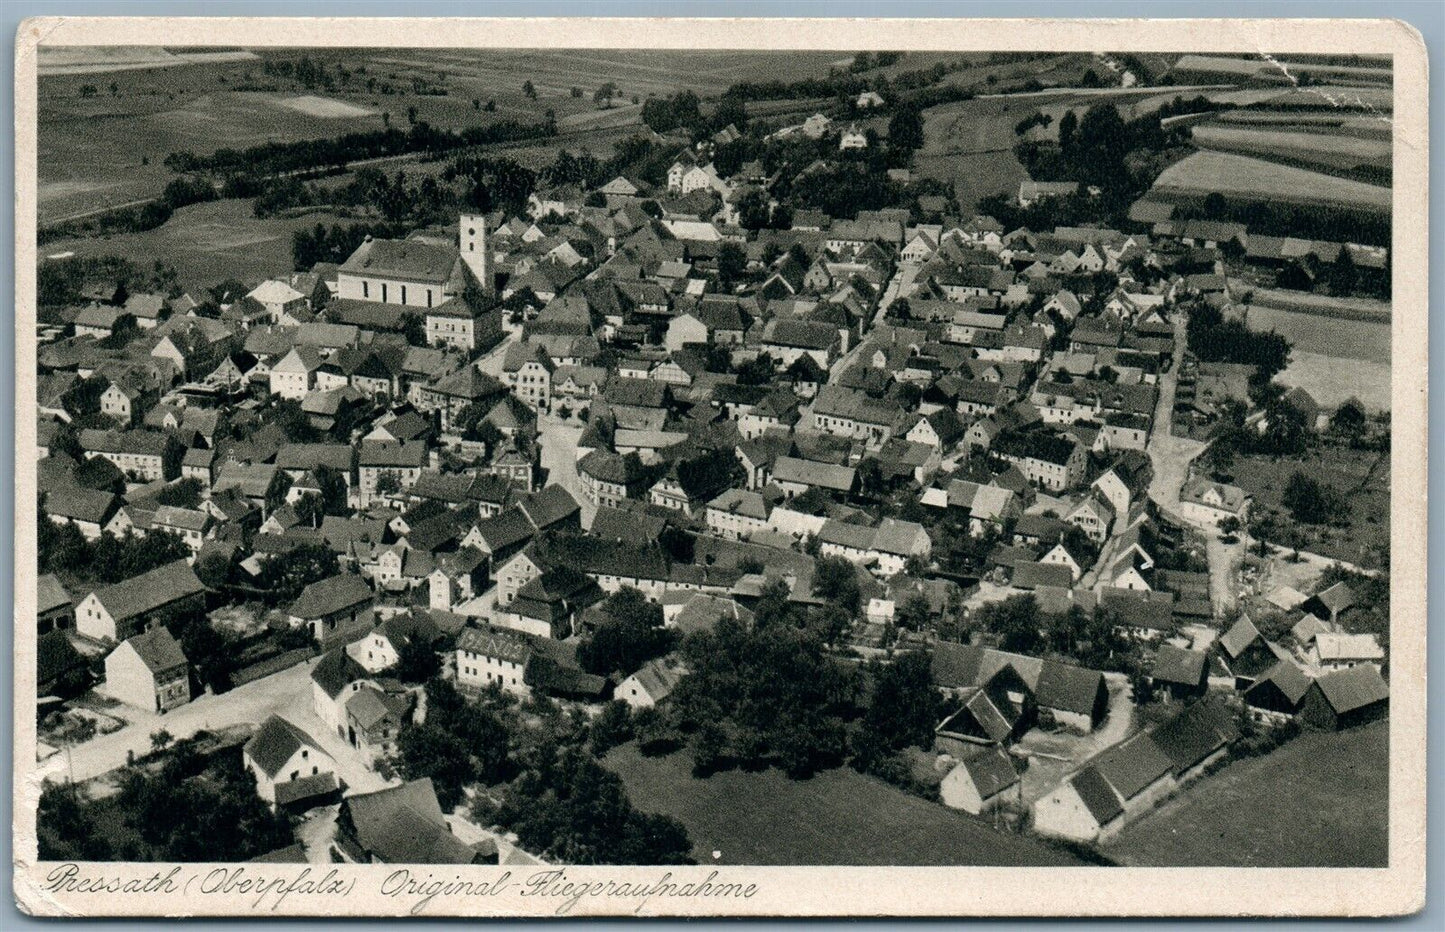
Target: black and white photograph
pixel 456 470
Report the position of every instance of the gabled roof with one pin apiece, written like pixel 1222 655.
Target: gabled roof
pixel 1195 733
pixel 1098 796
pixel 331 595
pixel 158 650
pixel 1179 665
pixel 408 259
pixel 1353 688
pixel 275 742
pixel 149 591
pixel 991 772
pixel 335 670
pixel 1240 636
pixel 404 825
pixel 1287 677
pixel 499 643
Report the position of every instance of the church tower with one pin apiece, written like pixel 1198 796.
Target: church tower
pixel 473 240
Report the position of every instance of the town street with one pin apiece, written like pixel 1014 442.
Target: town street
pixel 287 693
pixel 558 439
pixel 1170 455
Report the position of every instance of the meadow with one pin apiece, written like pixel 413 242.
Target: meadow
pixel 1244 177
pixel 837 817
pixel 1318 146
pixel 103 136
pixel 1321 800
pixel 206 243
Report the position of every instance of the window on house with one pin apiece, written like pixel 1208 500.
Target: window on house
pixel 383 291
pixel 366 289
pixel 403 294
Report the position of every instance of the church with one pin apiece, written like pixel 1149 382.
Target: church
pixel 424 277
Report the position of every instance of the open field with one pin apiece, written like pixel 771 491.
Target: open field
pixel 1243 177
pixel 1362 477
pixel 837 817
pixel 55 59
pixel 970 143
pixel 1336 96
pixel 1259 67
pixel 1320 801
pixel 102 147
pixel 206 243
pixel 1319 374
pixel 1369 127
pixel 1318 146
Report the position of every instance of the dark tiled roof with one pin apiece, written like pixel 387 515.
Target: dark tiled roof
pixel 149 591
pixel 331 595
pixel 274 742
pixel 158 650
pixel 1354 688
pixel 1097 795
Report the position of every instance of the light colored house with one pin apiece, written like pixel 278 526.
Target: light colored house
pixel 488 656
pixel 287 763
pixel 980 783
pixel 652 683
pixel 1207 502
pixel 278 299
pixel 149 671
pixel 117 612
pixel 736 514
pixel 294 375
pixel 1338 651
pixel 408 273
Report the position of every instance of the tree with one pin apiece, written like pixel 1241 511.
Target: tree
pixel 529 89
pixel 416 661
pixel 631 634
pixel 835 579
pixel 161 739
pixel 905 705
pixel 1015 621
pixel 1350 420
pixel 429 750
pixel 753 212
pixel 1068 124
pixel 611 727
pixel 183 494
pixel 709 748
pixel 285 576
pixel 732 265
pixel 905 129
pixel 333 490
pixel 914 614
pixel 604 94
pixel 1312 502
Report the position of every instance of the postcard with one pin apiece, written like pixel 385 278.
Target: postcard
pixel 681 467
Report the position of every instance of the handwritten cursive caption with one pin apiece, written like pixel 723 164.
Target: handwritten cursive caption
pixel 414 888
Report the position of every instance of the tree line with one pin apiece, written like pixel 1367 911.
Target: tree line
pixel 311 154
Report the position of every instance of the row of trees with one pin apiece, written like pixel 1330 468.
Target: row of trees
pixel 308 155
pixel 1212 338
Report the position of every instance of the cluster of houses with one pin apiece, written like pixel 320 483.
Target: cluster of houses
pixel 761 421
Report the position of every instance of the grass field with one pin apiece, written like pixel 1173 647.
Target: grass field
pixel 1319 145
pixel 1369 127
pixel 206 243
pixel 1243 177
pixel 970 143
pixel 1320 801
pixel 837 817
pixel 106 148
pixel 1260 67
pixel 1362 477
